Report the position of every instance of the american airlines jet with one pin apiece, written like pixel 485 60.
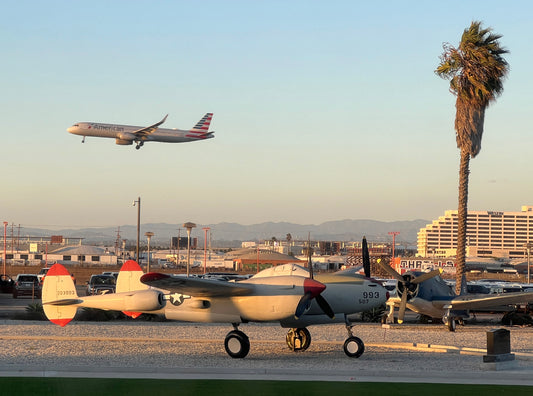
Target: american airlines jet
pixel 127 134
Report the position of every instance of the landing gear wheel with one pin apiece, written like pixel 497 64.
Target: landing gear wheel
pixel 137 147
pixel 237 344
pixel 298 339
pixel 353 347
pixel 449 322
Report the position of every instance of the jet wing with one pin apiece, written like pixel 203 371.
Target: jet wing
pixel 487 300
pixel 148 130
pixel 196 287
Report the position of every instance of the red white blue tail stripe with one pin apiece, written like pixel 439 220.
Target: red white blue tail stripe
pixel 201 129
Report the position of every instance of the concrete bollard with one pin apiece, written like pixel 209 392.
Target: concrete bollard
pixel 499 354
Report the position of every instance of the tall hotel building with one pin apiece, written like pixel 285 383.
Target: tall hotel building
pixel 489 234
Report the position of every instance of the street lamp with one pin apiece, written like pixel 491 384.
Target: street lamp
pixel 205 247
pixel 138 202
pixel 189 226
pixel 528 248
pixel 4 260
pixel 149 236
pixel 124 250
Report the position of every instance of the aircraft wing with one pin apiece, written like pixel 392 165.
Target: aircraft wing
pixel 196 287
pixel 487 300
pixel 148 130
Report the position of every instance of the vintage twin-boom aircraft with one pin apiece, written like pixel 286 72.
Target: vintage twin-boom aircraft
pixel 127 134
pixel 286 294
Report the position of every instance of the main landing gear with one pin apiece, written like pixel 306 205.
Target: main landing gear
pixel 299 339
pixel 237 344
pixel 353 346
pixel 139 145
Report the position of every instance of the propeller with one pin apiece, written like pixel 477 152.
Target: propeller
pixel 312 289
pixel 407 285
pixel 305 301
pixel 366 258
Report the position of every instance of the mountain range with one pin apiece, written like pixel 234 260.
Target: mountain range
pixel 231 234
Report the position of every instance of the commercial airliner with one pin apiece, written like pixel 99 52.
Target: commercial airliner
pixel 125 135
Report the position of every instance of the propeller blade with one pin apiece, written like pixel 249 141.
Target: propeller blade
pixel 366 258
pixel 309 253
pixel 403 305
pixel 303 305
pixel 426 276
pixel 389 270
pixel 323 304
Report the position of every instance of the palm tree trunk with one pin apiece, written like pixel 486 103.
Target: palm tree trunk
pixel 462 213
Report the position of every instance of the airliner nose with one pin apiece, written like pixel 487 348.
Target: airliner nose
pixel 70 129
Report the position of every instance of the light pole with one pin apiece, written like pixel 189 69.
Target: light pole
pixel 149 236
pixel 178 249
pixel 205 247
pixel 138 203
pixel 4 258
pixel 189 226
pixel 124 251
pixel 528 247
pixel 393 233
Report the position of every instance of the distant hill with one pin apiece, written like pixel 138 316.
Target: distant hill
pixel 231 234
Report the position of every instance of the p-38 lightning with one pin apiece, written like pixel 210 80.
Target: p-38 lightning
pixel 286 294
pixel 128 134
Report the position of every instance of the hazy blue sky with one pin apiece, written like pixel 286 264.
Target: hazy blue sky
pixel 322 111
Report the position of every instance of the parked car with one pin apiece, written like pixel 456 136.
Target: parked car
pixel 101 284
pixel 42 273
pixel 6 284
pixel 27 285
pixel 115 274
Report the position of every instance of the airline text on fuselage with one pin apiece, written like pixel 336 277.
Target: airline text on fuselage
pixel 106 127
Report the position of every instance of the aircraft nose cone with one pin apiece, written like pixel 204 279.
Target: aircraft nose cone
pixel 70 129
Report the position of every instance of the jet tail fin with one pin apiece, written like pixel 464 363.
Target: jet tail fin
pixel 129 279
pixel 59 296
pixel 203 124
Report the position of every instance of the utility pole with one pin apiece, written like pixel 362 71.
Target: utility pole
pixel 138 202
pixel 393 233
pixel 206 229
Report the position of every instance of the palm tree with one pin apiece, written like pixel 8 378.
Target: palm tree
pixel 476 70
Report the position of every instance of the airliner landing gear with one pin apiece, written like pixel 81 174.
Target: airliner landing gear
pixel 353 346
pixel 139 145
pixel 83 140
pixel 298 339
pixel 237 344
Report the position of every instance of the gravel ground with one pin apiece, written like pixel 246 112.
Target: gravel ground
pixel 173 345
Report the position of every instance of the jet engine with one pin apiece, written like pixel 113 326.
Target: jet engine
pixel 125 139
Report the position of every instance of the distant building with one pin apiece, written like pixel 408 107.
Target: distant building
pixel 489 234
pixel 253 259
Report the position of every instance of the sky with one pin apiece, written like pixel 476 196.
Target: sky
pixel 322 111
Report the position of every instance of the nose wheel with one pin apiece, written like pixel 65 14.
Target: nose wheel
pixel 298 339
